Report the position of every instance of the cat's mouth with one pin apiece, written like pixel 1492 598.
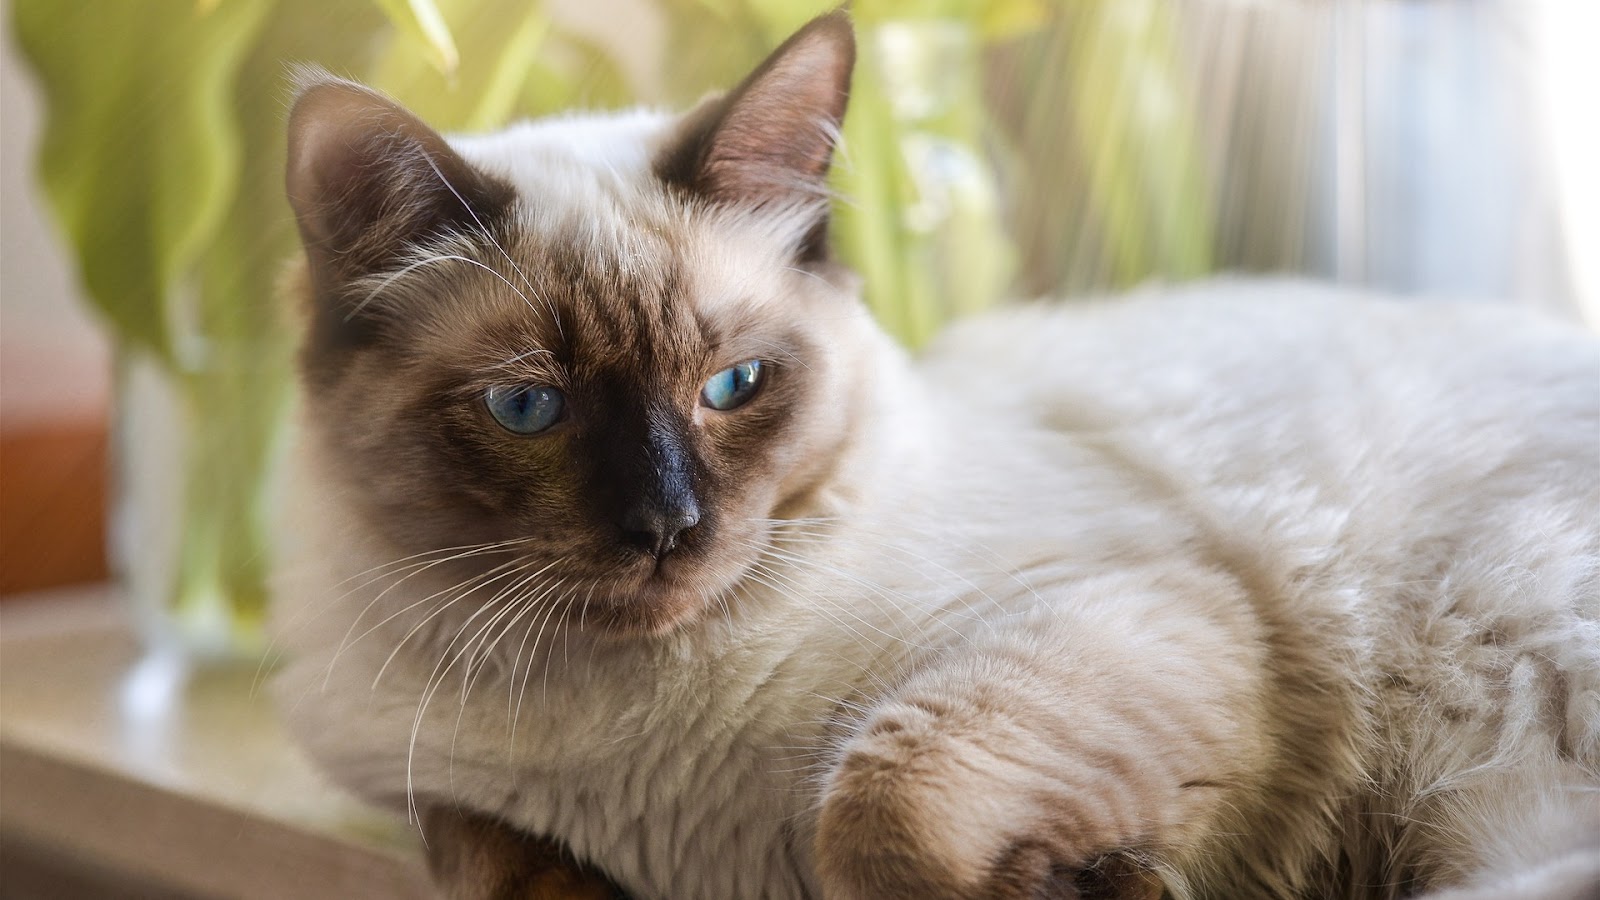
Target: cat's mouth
pixel 654 607
pixel 653 597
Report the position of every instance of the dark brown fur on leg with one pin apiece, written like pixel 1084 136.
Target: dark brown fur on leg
pixel 475 857
pixel 1030 872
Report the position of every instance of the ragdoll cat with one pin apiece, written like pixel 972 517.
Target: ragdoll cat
pixel 622 531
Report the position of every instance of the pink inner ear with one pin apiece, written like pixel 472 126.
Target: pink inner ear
pixel 776 138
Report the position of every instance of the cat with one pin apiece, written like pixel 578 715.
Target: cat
pixel 620 534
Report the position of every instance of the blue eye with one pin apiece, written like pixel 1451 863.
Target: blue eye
pixel 528 409
pixel 733 387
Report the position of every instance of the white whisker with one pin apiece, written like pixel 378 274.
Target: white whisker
pixel 484 230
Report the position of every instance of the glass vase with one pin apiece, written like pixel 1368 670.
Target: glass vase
pixel 196 449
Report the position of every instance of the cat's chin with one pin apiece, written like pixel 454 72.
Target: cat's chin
pixel 650 611
pixel 625 618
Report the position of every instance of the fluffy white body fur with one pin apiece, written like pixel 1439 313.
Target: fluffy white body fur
pixel 1330 565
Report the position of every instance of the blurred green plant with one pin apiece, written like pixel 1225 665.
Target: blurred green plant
pixel 163 159
pixel 920 212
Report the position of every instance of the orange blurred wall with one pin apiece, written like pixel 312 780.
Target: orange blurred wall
pixel 54 375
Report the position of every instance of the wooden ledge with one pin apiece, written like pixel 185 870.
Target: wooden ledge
pixel 123 774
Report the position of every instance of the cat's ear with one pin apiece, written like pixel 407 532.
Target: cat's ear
pixel 770 141
pixel 369 181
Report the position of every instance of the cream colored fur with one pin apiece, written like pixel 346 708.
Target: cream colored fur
pixel 1280 589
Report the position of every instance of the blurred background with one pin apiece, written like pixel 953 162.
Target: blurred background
pixel 1013 148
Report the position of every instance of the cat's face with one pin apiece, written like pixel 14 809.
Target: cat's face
pixel 611 353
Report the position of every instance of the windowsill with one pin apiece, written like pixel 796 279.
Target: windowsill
pixel 119 769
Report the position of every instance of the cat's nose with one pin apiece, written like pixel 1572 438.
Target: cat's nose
pixel 655 527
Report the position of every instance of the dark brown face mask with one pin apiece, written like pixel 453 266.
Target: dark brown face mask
pixel 476 375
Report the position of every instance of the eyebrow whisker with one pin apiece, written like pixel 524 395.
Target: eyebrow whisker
pixel 484 229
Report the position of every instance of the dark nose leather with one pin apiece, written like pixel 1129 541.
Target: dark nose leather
pixel 655 527
pixel 647 474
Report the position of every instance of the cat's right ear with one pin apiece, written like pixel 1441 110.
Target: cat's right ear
pixel 369 181
pixel 770 141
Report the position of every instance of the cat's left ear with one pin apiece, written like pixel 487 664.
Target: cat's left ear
pixel 770 141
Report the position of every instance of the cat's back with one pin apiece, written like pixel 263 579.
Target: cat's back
pixel 1311 420
pixel 1420 482
pixel 1294 387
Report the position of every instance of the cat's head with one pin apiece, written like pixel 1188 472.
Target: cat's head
pixel 609 349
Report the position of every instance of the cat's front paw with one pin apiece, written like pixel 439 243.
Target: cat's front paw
pixel 926 804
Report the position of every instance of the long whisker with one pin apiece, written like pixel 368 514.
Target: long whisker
pixel 460 588
pixel 411 267
pixel 516 661
pixel 777 581
pixel 484 230
pixel 550 654
pixel 345 641
pixel 476 650
pixel 532 653
pixel 924 559
pixel 419 625
pixel 435 680
pixel 487 545
pixel 310 613
pixel 452 593
pixel 485 646
pixel 965 544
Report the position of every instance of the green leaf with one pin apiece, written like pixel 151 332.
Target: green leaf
pixel 239 393
pixel 1005 19
pixel 422 20
pixel 140 154
pixel 569 73
pixel 1135 133
pixel 505 36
